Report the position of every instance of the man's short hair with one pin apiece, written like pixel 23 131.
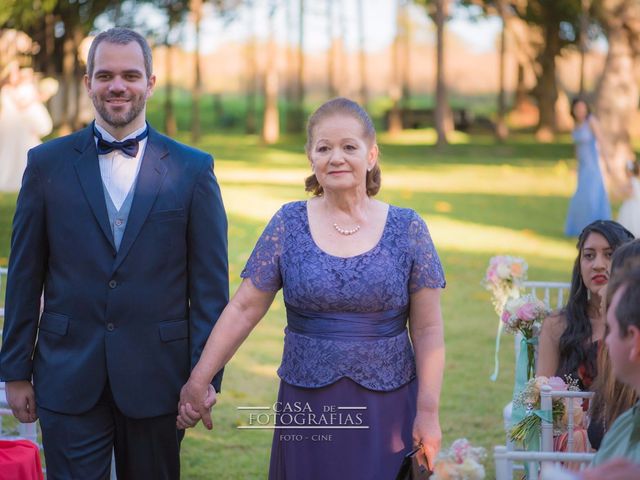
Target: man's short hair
pixel 120 36
pixel 628 310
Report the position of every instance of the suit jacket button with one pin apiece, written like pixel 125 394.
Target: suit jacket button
pixel 113 284
pixel 110 327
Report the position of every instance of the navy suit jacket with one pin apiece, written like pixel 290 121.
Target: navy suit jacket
pixel 138 317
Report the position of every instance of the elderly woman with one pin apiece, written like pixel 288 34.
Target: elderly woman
pixel 353 270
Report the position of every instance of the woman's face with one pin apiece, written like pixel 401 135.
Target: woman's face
pixel 595 263
pixel 580 111
pixel 340 154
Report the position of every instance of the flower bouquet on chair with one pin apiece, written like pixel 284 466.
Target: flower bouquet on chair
pixel 528 429
pixel 525 315
pixel 504 278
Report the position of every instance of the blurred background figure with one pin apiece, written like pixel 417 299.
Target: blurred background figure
pixel 24 120
pixel 629 214
pixel 590 201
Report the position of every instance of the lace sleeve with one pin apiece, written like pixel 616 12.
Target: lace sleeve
pixel 426 269
pixel 263 266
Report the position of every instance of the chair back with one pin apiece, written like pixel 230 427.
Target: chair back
pixel 553 294
pixel 535 461
pixel 546 404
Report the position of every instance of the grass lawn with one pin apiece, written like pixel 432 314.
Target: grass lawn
pixel 478 199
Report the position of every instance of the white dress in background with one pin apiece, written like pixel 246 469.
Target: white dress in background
pixel 24 120
pixel 629 215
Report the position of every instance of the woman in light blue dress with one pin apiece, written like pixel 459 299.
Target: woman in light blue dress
pixel 590 201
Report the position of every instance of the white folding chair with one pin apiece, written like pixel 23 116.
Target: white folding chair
pixel 553 294
pixel 546 403
pixel 508 460
pixel 536 461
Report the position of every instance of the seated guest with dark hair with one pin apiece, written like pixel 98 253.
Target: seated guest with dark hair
pixel 619 454
pixel 611 396
pixel 570 339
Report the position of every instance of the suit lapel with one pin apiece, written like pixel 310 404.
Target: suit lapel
pixel 152 172
pixel 88 170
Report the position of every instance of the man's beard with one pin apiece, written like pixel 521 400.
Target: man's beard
pixel 123 119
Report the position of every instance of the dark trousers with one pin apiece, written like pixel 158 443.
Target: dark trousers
pixel 80 447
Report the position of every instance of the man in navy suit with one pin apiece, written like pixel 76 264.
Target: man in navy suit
pixel 123 232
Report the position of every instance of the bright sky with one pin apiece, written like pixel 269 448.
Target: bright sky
pixel 379 25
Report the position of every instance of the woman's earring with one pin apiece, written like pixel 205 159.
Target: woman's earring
pixel 588 295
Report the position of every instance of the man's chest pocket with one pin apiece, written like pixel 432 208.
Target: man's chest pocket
pixel 170 227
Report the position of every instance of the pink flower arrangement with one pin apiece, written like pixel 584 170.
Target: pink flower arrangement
pixel 504 278
pixel 524 314
pixel 461 461
pixel 529 399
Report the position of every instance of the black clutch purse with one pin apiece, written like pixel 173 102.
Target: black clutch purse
pixel 414 466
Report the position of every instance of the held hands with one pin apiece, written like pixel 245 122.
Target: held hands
pixel 426 430
pixel 22 400
pixel 196 400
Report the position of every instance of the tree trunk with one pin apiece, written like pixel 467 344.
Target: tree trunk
pixel 170 125
pixel 332 90
pixel 271 122
pixel 78 35
pixel 394 119
pixel 295 110
pixel 68 78
pixel 501 126
pixel 300 81
pixel 584 25
pixel 546 90
pixel 441 89
pixel 617 95
pixel 405 101
pixel 362 57
pixel 252 73
pixel 196 9
pixel 49 44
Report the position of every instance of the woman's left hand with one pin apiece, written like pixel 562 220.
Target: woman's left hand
pixel 426 431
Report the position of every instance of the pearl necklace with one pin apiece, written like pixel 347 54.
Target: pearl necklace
pixel 344 231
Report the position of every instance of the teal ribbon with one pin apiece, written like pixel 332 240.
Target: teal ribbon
pixel 521 377
pixel 513 292
pixel 532 442
pixel 522 364
pixel 496 361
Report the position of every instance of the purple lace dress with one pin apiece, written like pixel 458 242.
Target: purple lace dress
pixel 348 388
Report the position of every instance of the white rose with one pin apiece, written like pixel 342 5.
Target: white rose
pixel 503 271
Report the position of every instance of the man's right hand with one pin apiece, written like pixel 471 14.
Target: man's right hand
pixel 22 400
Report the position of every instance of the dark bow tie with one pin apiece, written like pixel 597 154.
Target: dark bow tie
pixel 129 146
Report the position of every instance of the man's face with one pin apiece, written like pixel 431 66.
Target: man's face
pixel 119 86
pixel 619 346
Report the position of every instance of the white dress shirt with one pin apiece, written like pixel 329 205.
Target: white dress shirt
pixel 118 170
